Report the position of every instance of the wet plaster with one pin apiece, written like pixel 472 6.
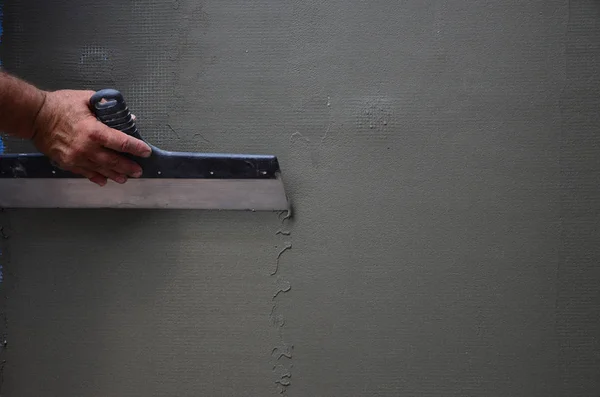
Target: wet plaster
pixel 442 161
pixel 282 353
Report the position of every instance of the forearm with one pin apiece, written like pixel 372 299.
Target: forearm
pixel 20 103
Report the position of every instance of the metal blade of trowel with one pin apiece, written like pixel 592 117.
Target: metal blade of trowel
pixel 170 180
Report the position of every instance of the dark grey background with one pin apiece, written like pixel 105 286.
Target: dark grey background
pixel 442 158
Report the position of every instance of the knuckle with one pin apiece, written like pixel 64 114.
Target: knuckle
pixel 113 161
pixel 67 161
pixel 71 157
pixel 125 146
pixel 77 150
pixel 96 135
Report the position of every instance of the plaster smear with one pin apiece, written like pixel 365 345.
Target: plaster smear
pixel 442 161
pixel 282 353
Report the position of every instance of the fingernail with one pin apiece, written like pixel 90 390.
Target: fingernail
pixel 137 174
pixel 100 183
pixel 121 179
pixel 146 152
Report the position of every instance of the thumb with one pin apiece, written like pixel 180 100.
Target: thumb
pixel 121 142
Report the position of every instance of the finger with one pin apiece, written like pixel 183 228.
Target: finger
pixel 113 161
pixel 121 142
pixel 91 175
pixel 108 173
pixel 98 180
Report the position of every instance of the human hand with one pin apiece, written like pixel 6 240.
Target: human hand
pixel 67 131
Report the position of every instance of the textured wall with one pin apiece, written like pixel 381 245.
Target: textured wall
pixel 442 157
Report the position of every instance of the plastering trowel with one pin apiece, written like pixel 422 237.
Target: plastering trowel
pixel 169 180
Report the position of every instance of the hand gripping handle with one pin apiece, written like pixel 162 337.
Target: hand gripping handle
pixel 110 108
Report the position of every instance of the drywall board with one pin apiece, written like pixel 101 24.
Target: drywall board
pixel 441 157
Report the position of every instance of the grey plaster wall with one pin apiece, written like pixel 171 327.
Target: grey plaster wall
pixel 442 158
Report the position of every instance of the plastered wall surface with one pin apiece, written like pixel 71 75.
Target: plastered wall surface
pixel 442 158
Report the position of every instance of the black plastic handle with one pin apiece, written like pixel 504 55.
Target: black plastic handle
pixel 110 108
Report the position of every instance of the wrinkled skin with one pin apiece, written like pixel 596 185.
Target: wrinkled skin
pixel 67 131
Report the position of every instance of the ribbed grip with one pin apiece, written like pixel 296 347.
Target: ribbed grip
pixel 110 108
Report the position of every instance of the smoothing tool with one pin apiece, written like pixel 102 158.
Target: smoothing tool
pixel 170 180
